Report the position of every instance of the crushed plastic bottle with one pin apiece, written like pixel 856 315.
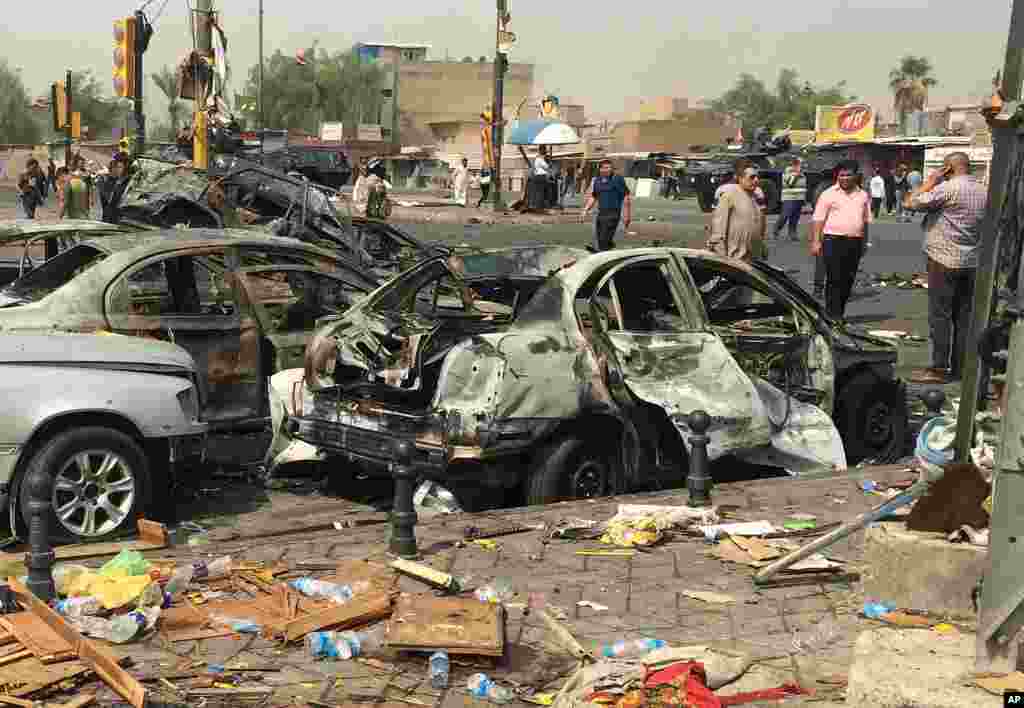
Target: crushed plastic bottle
pixel 219 568
pixel 439 668
pixel 874 610
pixel 432 497
pixel 630 648
pixel 498 591
pixel 118 630
pixel 79 606
pixel 179 582
pixel 481 686
pixel 237 624
pixel 339 594
pixel 344 645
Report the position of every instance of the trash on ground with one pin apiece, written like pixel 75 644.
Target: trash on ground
pixel 453 624
pixel 999 684
pixel 595 606
pixel 743 528
pixel 630 648
pixel 574 529
pixel 711 597
pixel 632 532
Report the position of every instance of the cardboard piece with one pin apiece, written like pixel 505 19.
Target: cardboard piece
pixel 453 624
pixel 999 683
pixel 711 597
pixel 759 550
pixel 36 636
pixel 98 658
pixel 728 551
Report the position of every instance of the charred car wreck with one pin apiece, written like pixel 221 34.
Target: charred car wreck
pixel 557 373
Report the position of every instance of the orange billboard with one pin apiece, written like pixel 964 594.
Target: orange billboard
pixel 840 124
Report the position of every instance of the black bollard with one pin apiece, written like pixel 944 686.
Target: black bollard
pixel 403 515
pixel 698 481
pixel 40 557
pixel 934 399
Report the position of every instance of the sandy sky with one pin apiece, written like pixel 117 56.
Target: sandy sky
pixel 600 54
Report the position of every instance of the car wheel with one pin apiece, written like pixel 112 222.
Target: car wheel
pixel 100 483
pixel 871 415
pixel 706 203
pixel 573 468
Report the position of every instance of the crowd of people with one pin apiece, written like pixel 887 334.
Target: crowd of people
pixel 80 192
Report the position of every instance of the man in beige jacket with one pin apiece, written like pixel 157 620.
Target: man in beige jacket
pixel 738 224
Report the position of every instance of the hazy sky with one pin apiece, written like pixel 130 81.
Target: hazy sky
pixel 598 53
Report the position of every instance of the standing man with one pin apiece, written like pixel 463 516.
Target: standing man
pixel 51 175
pixel 738 223
pixel 111 189
pixel 899 185
pixel 877 193
pixel 794 191
pixel 954 204
pixel 614 202
pixel 77 197
pixel 38 178
pixel 27 198
pixel 839 230
pixel 461 183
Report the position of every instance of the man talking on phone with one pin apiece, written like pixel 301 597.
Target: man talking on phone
pixel 954 205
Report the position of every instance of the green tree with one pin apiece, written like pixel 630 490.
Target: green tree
pixel 167 81
pixel 99 112
pixel 330 87
pixel 910 81
pixel 16 122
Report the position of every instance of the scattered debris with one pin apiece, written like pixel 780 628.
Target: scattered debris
pixel 976 537
pixel 999 684
pixel 595 606
pixel 456 625
pixel 711 597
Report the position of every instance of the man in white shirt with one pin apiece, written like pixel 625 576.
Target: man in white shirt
pixel 877 193
pixel 460 183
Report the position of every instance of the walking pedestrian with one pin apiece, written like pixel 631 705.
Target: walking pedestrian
pixel 899 185
pixel 460 183
pixel 485 186
pixel 614 202
pixel 738 224
pixel 27 199
pixel 76 197
pixel 954 205
pixel 794 191
pixel 840 232
pixel 877 193
pixel 111 189
pixel 38 178
pixel 51 175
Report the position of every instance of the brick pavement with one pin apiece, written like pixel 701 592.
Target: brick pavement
pixel 643 595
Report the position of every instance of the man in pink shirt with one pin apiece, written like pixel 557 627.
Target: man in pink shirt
pixel 839 230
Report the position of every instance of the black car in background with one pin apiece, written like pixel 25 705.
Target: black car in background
pixel 323 164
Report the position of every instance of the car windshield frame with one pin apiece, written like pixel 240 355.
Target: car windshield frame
pixel 22 289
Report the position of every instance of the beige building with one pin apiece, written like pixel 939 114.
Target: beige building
pixel 658 108
pixel 691 127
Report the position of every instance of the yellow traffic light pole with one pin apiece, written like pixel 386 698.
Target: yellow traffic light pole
pixel 204 47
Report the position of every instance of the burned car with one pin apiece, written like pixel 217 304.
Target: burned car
pixel 114 421
pixel 562 382
pixel 31 242
pixel 243 305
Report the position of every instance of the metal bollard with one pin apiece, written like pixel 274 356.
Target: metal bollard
pixel 403 514
pixel 698 481
pixel 934 399
pixel 40 556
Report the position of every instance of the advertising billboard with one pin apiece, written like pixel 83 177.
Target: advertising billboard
pixel 838 124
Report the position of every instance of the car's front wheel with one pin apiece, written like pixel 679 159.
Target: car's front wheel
pixel 871 415
pixel 573 468
pixel 100 481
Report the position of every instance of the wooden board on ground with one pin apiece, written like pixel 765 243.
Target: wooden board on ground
pixel 29 675
pixel 181 624
pixel 359 611
pixel 96 657
pixel 152 536
pixel 36 636
pixel 381 577
pixel 456 625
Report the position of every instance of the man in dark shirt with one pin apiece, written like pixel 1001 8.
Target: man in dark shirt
pixel 111 189
pixel 610 193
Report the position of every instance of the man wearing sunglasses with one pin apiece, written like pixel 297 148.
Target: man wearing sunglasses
pixel 738 223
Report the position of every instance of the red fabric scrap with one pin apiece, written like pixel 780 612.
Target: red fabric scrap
pixel 691 680
pixel 765 694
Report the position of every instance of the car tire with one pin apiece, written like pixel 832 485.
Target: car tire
pixel 707 204
pixel 573 468
pixel 871 416
pixel 124 487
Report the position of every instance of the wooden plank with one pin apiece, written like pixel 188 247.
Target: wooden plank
pixel 12 648
pixel 15 656
pixel 96 657
pixel 36 636
pixel 29 675
pixel 20 702
pixel 154 533
pixel 186 623
pixel 82 701
pixel 157 541
pixel 359 611
pixel 454 624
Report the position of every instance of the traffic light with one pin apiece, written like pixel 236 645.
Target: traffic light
pixel 124 57
pixel 59 104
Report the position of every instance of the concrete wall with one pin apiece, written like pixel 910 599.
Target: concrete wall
pixel 690 128
pixel 435 92
pixel 658 108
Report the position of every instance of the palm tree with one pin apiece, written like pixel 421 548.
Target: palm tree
pixel 910 82
pixel 167 81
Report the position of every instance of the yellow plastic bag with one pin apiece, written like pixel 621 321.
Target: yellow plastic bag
pixel 632 532
pixel 113 592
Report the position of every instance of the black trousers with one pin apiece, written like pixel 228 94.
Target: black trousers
pixel 604 229
pixel 950 294
pixel 876 206
pixel 485 192
pixel 842 260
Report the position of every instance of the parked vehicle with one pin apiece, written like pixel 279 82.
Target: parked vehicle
pixel 243 305
pixel 322 164
pixel 114 421
pixel 563 374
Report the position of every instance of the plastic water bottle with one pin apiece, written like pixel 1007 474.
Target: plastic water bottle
pixel 79 606
pixel 482 687
pixel 339 594
pixel 498 591
pixel 353 644
pixel 119 630
pixel 180 580
pixel 874 610
pixel 220 568
pixel 439 666
pixel 322 645
pixel 152 596
pixel 632 647
pixel 237 624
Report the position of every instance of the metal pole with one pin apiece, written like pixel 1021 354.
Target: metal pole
pixel 204 45
pixel 259 97
pixel 984 280
pixel 140 81
pixel 498 109
pixel 40 556
pixel 67 120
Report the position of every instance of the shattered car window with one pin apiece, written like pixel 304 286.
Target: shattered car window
pixel 295 299
pixel 182 285
pixel 55 273
pixel 735 302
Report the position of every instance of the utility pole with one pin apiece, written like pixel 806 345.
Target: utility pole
pixel 1001 609
pixel 259 89
pixel 142 33
pixel 1003 139
pixel 497 114
pixel 67 123
pixel 204 46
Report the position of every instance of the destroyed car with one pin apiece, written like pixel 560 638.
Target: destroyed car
pixel 566 382
pixel 242 304
pixel 112 420
pixel 35 240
